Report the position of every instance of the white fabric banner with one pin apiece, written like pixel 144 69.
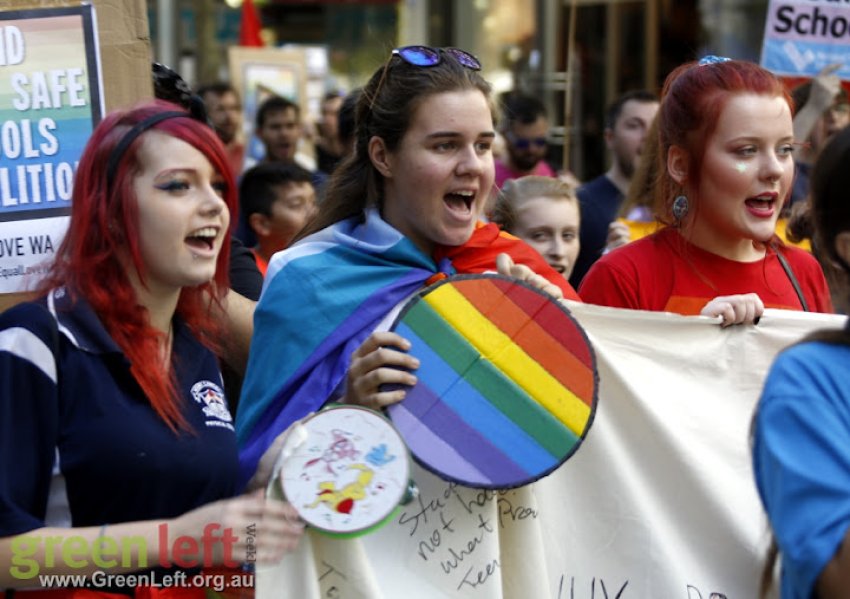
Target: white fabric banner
pixel 659 501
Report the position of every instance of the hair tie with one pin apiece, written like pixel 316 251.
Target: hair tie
pixel 712 59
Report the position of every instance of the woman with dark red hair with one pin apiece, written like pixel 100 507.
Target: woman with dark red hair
pixel 726 142
pixel 113 424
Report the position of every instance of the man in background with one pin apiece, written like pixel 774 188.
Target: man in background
pixel 627 122
pixel 525 129
pixel 279 127
pixel 224 110
pixel 329 148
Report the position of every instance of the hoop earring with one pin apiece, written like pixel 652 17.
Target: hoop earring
pixel 680 208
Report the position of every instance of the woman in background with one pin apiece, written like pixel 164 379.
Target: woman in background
pixel 725 158
pixel 543 212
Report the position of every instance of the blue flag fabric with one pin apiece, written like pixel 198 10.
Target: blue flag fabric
pixel 322 298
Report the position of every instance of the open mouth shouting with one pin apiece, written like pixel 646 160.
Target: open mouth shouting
pixel 762 205
pixel 459 203
pixel 202 241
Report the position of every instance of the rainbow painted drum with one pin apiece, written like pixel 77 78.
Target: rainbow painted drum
pixel 507 383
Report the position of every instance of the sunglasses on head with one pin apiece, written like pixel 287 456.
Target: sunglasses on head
pixel 522 143
pixel 425 56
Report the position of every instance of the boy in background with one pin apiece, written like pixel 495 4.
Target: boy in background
pixel 277 200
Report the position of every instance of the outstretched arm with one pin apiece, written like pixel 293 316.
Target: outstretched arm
pixel 505 266
pixel 238 317
pixel 218 531
pixel 825 87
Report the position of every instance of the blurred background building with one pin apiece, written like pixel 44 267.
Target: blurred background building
pixel 619 45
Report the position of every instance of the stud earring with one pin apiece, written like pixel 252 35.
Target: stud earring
pixel 680 208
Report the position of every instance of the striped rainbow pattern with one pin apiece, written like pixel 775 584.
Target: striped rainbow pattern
pixel 507 384
pixel 53 41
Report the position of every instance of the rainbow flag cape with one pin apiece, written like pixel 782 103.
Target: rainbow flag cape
pixel 323 297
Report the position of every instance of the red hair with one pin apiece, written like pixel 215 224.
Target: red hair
pixel 692 99
pixel 104 225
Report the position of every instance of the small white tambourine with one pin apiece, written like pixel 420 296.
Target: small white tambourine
pixel 346 471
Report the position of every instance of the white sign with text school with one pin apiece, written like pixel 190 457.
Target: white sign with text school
pixel 50 101
pixel 801 37
pixel 659 501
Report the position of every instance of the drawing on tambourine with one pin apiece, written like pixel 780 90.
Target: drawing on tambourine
pixel 350 473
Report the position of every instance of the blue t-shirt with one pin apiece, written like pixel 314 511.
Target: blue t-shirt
pixel 599 202
pixel 801 458
pixel 80 445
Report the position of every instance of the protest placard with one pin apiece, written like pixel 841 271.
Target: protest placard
pixel 50 101
pixel 801 37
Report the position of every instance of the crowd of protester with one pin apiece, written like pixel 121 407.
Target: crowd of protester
pixel 120 354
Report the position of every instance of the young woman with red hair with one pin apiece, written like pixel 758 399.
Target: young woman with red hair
pixel 113 423
pixel 725 156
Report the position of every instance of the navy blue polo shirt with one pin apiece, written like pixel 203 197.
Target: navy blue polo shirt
pixel 80 431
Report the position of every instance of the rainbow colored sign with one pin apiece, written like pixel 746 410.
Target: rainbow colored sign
pixel 507 385
pixel 50 101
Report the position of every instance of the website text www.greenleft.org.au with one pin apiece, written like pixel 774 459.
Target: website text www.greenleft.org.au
pixel 180 579
pixel 128 553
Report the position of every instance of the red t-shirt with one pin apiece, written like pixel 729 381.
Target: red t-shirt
pixel 665 273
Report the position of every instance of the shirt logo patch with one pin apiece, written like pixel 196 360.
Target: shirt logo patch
pixel 211 398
